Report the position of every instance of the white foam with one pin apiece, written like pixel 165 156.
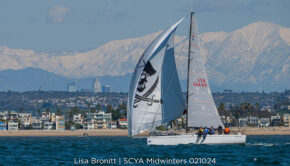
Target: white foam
pixel 261 144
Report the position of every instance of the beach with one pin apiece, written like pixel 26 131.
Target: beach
pixel 124 132
pixel 39 133
pixel 262 130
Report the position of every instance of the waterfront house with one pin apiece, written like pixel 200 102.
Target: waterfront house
pixel 100 125
pixel 111 125
pixel 47 126
pixel 53 117
pixel 12 116
pixel 3 126
pixel 12 125
pixel 77 119
pixel 88 125
pixel 60 123
pixel 253 121
pixel 90 116
pixel 36 123
pixel 223 119
pixel 264 122
pixel 226 120
pixel 107 117
pixel 286 120
pixel 100 119
pixel 243 122
pixel 22 115
pixel 285 105
pixel 180 122
pixel 275 120
pixel 3 116
pixel 45 115
pixel 266 108
pixel 122 123
pixel 100 116
pixel 25 122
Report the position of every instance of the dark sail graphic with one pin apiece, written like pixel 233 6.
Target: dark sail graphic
pixel 147 72
pixel 144 97
pixel 142 85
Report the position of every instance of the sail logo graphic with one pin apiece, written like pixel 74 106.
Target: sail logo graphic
pixel 142 88
pixel 200 82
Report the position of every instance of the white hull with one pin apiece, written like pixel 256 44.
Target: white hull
pixel 193 139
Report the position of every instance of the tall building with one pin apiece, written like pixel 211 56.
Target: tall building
pixel 96 86
pixel 71 87
pixel 107 88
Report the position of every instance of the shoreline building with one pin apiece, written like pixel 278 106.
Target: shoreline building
pixel 122 123
pixel 25 122
pixel 96 86
pixel 106 88
pixel 78 119
pixel 36 123
pixel 13 125
pixel 47 126
pixel 71 87
pixel 100 119
pixel 88 125
pixel 3 126
pixel 60 123
pixel 286 120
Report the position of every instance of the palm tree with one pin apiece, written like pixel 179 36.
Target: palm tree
pixel 38 111
pixel 99 107
pixel 93 110
pixel 21 110
pixel 47 110
pixel 58 112
pixel 89 105
pixel 257 106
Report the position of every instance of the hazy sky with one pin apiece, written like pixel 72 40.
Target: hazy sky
pixel 79 25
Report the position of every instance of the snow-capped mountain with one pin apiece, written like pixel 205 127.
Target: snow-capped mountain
pixel 255 57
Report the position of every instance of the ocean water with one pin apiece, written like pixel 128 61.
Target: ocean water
pixel 259 150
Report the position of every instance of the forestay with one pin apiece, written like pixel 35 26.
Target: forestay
pixel 155 95
pixel 202 110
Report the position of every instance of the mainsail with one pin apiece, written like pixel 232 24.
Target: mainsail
pixel 202 110
pixel 155 95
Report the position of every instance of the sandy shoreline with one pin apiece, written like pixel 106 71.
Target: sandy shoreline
pixel 262 131
pixel 39 133
pixel 123 132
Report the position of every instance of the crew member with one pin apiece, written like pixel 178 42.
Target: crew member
pixel 220 129
pixel 211 131
pixel 200 131
pixel 205 132
pixel 227 130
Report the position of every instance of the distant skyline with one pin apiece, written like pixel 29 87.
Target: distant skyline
pixel 71 25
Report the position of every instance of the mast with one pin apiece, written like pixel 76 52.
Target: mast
pixel 188 62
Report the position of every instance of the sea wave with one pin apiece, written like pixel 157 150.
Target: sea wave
pixel 261 144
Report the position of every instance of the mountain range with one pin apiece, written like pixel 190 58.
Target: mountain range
pixel 253 58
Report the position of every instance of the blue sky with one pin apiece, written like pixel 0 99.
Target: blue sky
pixel 79 25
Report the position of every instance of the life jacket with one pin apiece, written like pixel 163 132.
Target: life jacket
pixel 205 130
pixel 227 130
pixel 212 131
pixel 200 130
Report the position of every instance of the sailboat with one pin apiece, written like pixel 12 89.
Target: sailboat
pixel 155 96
